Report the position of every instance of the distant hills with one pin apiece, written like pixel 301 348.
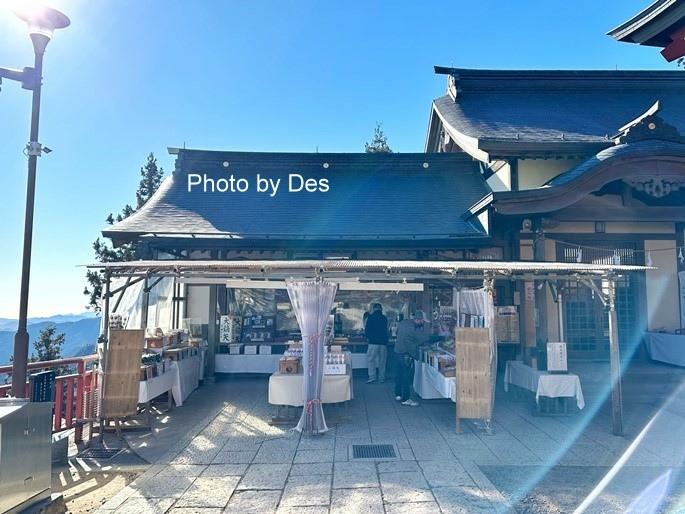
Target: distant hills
pixel 80 333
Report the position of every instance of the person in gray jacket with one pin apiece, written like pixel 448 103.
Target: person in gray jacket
pixel 411 333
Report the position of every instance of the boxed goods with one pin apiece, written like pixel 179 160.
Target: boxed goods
pixel 264 349
pixel 154 342
pixel 289 365
pixel 250 349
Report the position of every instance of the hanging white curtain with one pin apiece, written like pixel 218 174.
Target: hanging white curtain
pixel 160 307
pixel 312 301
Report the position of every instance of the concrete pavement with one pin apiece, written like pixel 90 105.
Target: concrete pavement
pixel 218 453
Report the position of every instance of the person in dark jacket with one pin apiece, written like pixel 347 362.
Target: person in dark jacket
pixel 411 333
pixel 376 332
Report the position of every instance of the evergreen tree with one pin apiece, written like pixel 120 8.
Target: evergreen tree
pixel 48 346
pixel 151 178
pixel 379 144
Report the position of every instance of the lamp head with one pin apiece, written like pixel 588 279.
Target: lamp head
pixel 41 21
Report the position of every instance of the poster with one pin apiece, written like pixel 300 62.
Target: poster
pixel 556 358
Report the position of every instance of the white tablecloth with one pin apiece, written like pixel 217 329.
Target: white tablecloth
pixel 186 374
pixel 227 363
pixel 669 348
pixel 543 383
pixel 152 388
pixel 429 383
pixel 285 389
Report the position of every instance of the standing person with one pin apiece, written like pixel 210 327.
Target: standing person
pixel 376 332
pixel 411 333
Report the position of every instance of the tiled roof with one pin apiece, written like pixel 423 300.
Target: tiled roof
pixel 653 147
pixel 652 26
pixel 556 106
pixel 371 197
pixel 608 165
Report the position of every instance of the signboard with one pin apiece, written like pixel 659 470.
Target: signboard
pixel 259 329
pixel 230 328
pixel 556 358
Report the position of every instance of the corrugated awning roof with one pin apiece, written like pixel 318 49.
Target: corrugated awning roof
pixel 378 270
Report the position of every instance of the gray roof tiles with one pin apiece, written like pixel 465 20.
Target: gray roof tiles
pixel 369 197
pixel 553 106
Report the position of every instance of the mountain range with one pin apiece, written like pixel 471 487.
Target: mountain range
pixel 80 334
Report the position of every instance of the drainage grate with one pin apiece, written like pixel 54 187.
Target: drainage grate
pixel 100 453
pixel 373 451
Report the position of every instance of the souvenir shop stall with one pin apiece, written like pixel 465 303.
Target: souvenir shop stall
pixel 142 355
pixel 311 287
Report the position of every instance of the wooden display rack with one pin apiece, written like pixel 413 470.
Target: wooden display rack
pixel 473 375
pixel 119 399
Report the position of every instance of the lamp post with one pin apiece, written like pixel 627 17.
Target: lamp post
pixel 41 21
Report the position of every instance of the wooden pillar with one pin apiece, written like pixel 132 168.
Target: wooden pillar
pixel 680 267
pixel 212 336
pixel 146 304
pixel 541 335
pixel 616 395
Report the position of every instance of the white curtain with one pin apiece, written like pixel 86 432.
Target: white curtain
pixel 130 301
pixel 312 301
pixel 160 308
pixel 160 304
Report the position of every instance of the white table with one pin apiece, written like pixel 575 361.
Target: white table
pixel 429 383
pixel 152 388
pixel 228 363
pixel 669 348
pixel 543 383
pixel 186 377
pixel 286 389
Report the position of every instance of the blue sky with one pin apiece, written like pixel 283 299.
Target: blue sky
pixel 130 77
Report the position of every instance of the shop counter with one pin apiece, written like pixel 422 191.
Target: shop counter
pixel 150 389
pixel 156 386
pixel 186 377
pixel 286 389
pixel 542 383
pixel 669 348
pixel 227 363
pixel 240 363
pixel 429 383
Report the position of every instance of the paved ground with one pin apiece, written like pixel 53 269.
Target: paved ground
pixel 218 453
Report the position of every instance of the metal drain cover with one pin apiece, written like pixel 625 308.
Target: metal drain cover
pixel 373 451
pixel 100 453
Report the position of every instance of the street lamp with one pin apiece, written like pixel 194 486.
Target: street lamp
pixel 41 21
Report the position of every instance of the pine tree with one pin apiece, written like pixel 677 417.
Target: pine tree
pixel 379 143
pixel 48 347
pixel 151 179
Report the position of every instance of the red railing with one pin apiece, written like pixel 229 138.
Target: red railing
pixel 75 394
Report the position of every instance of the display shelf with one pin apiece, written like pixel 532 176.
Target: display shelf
pixel 226 362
